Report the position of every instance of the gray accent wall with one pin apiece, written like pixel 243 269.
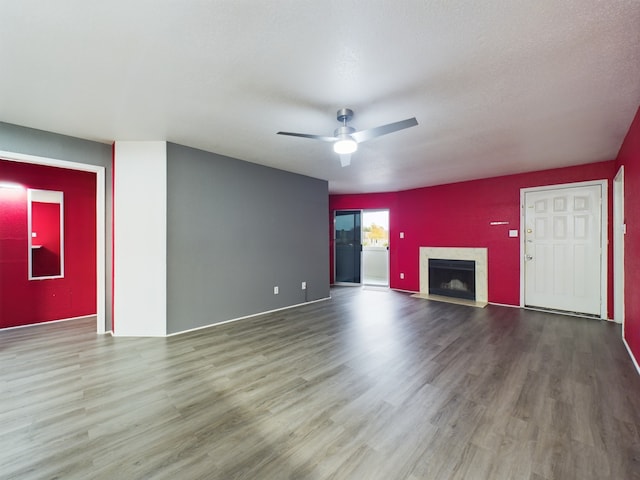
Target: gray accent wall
pixel 29 141
pixel 234 231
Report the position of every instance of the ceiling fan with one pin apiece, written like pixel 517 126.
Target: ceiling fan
pixel 345 139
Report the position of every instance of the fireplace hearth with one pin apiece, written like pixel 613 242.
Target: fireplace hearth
pixel 452 278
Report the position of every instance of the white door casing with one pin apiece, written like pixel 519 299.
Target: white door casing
pixel 563 248
pixel 375 252
pixel 619 230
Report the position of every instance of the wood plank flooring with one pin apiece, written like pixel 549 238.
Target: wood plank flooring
pixel 372 384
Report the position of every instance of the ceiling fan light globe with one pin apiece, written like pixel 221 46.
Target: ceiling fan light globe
pixel 345 146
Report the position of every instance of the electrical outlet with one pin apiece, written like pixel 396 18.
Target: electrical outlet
pixel 402 276
pixel 304 285
pixel 276 290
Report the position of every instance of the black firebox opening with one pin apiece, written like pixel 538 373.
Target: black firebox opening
pixel 452 278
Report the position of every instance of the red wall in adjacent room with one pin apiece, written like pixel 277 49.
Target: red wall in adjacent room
pixel 459 215
pixel 629 156
pixel 23 301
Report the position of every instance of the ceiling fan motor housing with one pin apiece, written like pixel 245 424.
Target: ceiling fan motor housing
pixel 344 131
pixel 344 115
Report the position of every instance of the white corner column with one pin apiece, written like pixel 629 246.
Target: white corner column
pixel 140 239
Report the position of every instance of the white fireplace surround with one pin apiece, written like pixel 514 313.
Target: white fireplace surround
pixel 478 255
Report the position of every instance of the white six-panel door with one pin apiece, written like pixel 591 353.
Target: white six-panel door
pixel 563 247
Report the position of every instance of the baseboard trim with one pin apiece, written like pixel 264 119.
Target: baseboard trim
pixel 248 316
pixel 452 300
pixel 404 291
pixel 504 305
pixel 563 312
pixel 633 358
pixel 48 322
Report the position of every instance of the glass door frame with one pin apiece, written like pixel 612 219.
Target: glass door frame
pixel 337 213
pixel 368 267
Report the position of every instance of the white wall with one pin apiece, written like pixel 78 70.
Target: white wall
pixel 140 231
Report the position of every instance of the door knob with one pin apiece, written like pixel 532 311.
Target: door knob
pixel 528 257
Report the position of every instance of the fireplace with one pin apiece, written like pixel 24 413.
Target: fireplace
pixel 478 255
pixel 452 278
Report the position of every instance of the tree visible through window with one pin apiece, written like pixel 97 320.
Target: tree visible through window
pixel 375 229
pixel 375 236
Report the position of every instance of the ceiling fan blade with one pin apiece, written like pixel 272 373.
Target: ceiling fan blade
pixel 365 135
pixel 345 159
pixel 307 135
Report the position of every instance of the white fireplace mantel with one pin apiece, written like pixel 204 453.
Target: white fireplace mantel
pixel 478 255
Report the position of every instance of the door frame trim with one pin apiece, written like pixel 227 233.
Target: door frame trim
pixel 333 235
pixel 619 228
pixel 604 244
pixel 362 262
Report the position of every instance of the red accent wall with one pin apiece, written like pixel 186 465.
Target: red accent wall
pixel 22 301
pixel 459 215
pixel 629 156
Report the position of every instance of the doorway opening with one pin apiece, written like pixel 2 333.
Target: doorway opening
pixel 375 247
pixel 361 247
pixel 100 221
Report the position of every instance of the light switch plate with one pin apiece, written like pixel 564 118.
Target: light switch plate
pixel 513 233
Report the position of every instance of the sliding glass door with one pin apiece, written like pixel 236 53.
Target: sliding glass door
pixel 362 247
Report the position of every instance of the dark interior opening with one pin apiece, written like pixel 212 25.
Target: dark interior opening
pixel 452 278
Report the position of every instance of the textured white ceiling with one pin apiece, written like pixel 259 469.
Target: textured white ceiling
pixel 498 86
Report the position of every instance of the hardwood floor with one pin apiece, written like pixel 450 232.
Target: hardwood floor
pixel 372 384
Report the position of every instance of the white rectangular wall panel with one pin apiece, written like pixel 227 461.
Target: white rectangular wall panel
pixel 140 232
